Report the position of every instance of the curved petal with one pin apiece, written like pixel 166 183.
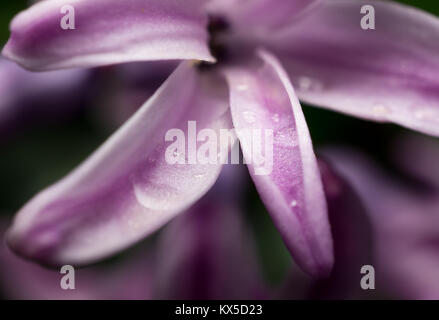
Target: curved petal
pixel 126 189
pixel 262 98
pixel 108 32
pixel 388 74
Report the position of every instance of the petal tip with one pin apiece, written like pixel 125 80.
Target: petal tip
pixel 8 53
pixel 320 264
pixel 13 243
pixel 33 245
pixel 324 269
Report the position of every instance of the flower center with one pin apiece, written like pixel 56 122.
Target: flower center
pixel 218 28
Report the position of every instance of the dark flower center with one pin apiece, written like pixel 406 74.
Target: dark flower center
pixel 218 28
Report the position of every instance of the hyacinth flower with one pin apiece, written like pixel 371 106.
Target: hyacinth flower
pixel 403 213
pixel 243 64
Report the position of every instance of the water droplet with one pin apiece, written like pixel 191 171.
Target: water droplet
pixel 381 110
pixel 249 116
pixel 420 114
pixel 286 138
pixel 275 117
pixel 199 175
pixel 425 113
pixel 133 224
pixel 404 66
pixel 293 203
pixel 308 84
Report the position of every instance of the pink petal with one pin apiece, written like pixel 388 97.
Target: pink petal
pixel 388 74
pixel 108 32
pixel 126 190
pixel 263 98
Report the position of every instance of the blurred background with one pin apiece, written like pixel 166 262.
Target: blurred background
pixel 35 154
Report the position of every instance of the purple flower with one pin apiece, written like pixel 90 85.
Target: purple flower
pixel 252 53
pixel 404 217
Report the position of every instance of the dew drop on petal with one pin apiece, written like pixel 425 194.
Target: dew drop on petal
pixel 293 203
pixel 199 175
pixel 380 109
pixel 286 138
pixel 309 84
pixel 426 113
pixel 249 116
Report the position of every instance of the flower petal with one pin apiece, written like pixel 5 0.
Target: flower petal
pixel 262 98
pixel 126 189
pixel 108 32
pixel 388 74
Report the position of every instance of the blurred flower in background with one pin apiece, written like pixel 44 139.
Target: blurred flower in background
pixel 28 98
pixel 382 214
pixel 404 214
